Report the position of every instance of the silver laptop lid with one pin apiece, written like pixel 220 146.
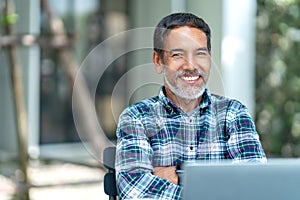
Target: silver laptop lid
pixel 279 179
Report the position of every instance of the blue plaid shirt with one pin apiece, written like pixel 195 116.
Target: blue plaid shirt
pixel 155 132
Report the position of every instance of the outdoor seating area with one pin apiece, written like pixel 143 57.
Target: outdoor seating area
pixel 56 180
pixel 70 68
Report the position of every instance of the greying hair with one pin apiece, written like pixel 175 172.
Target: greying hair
pixel 176 20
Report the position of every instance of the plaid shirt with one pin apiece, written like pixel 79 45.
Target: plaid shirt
pixel 155 132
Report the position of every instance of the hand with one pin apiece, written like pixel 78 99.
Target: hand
pixel 168 173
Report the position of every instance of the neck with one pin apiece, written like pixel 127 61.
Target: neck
pixel 187 105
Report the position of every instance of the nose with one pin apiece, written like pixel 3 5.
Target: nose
pixel 189 63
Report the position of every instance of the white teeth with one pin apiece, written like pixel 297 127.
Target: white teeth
pixel 190 78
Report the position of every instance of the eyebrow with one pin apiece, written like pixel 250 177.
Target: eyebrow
pixel 179 49
pixel 202 49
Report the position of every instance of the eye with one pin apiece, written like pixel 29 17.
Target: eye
pixel 177 55
pixel 201 53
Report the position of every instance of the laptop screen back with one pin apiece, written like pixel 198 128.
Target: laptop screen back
pixel 277 180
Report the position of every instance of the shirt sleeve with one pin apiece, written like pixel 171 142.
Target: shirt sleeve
pixel 134 164
pixel 243 144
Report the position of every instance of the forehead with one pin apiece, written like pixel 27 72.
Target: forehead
pixel 185 37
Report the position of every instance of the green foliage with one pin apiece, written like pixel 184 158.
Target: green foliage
pixel 10 19
pixel 278 76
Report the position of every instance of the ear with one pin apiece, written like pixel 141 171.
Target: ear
pixel 158 64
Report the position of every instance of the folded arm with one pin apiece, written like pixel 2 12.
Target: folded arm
pixel 136 176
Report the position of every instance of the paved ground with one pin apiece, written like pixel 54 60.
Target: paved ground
pixel 57 181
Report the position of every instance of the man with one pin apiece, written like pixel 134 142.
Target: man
pixel 184 122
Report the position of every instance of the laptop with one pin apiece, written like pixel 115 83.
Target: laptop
pixel 279 179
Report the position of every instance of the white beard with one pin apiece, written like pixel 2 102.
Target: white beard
pixel 188 93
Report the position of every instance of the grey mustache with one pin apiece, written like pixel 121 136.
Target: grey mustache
pixel 191 73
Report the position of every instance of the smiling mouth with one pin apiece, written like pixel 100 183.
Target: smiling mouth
pixel 190 78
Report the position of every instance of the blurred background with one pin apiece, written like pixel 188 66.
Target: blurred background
pixel 43 43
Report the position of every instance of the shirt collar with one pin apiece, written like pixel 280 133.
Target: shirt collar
pixel 206 100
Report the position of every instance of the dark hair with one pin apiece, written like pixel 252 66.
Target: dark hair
pixel 176 20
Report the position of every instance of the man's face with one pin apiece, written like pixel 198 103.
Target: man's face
pixel 186 63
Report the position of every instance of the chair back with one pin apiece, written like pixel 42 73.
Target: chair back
pixel 110 187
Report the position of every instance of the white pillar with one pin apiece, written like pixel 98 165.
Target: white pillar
pixel 238 51
pixel 29 23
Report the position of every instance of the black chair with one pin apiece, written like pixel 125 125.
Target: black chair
pixel 110 187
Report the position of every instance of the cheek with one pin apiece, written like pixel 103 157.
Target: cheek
pixel 204 64
pixel 171 76
pixel 174 64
